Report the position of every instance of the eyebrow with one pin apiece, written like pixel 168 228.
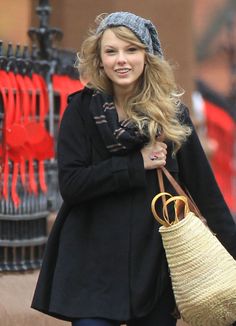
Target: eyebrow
pixel 114 46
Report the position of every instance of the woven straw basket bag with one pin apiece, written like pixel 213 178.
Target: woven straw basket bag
pixel 203 273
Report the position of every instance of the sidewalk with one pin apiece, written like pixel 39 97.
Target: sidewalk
pixel 16 291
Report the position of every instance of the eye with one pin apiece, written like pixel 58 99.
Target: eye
pixel 132 49
pixel 110 51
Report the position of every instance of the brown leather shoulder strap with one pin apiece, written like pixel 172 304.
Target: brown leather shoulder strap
pixel 180 191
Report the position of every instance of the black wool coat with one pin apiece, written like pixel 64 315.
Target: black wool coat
pixel 104 256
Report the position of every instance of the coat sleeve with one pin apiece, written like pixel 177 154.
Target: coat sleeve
pixel 81 180
pixel 196 174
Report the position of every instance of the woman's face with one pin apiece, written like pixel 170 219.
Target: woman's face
pixel 123 62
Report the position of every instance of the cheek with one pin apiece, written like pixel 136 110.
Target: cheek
pixel 140 62
pixel 107 68
pixel 106 62
pixel 140 66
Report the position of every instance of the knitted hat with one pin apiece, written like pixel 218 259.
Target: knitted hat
pixel 142 28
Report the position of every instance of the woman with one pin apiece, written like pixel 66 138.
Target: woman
pixel 105 263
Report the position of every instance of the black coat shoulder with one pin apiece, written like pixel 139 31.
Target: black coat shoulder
pixel 77 105
pixel 78 95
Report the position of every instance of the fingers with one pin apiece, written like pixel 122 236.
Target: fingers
pixel 154 156
pixel 159 151
pixel 159 147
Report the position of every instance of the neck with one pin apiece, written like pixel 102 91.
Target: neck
pixel 120 94
pixel 119 99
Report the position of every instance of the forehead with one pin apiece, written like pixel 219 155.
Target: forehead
pixel 109 38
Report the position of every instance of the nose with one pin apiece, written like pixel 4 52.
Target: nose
pixel 121 59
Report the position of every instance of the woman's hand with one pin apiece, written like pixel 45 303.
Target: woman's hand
pixel 154 155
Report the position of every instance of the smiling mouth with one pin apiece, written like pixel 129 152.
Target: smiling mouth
pixel 122 70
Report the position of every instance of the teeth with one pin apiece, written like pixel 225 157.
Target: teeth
pixel 122 70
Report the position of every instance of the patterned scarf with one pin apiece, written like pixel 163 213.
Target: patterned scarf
pixel 119 137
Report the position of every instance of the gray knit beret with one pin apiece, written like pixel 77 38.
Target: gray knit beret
pixel 142 28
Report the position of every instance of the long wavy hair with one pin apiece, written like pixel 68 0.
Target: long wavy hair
pixel 155 102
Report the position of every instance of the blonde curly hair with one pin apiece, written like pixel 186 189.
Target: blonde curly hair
pixel 155 101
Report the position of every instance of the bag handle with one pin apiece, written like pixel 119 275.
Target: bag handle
pixel 178 200
pixel 165 220
pixel 192 205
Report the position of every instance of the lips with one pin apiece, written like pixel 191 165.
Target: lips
pixel 122 70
